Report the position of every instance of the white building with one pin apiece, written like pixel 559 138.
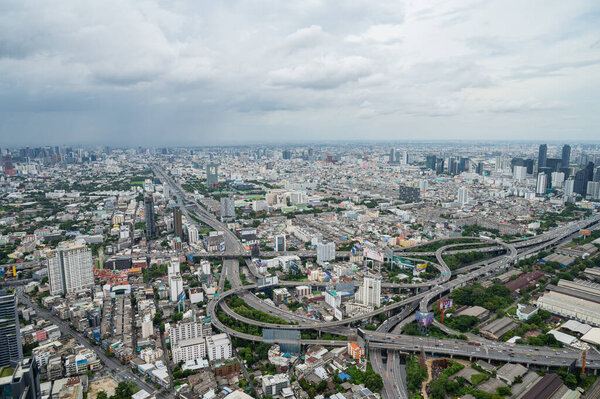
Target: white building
pixel 189 349
pixel 185 331
pixel 519 173
pixel 147 326
pixel 558 179
pixel 569 185
pixel 192 234
pixel 333 299
pixel 463 196
pixel 174 266
pixel 542 183
pixel 325 252
pixel 369 293
pixel 218 347
pixel 175 287
pixel 70 269
pixel 303 290
pixel 273 384
pixel 227 207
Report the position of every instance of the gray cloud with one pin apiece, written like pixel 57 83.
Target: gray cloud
pixel 158 72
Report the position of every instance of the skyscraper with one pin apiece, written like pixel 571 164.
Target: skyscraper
pixel 542 182
pixel 227 208
pixel 23 382
pixel 463 196
pixel 369 293
pixel 430 162
pixel 582 178
pixel 566 156
pixel 177 227
pixel 212 175
pixel 542 155
pixel 149 216
pixel 11 349
pixel 70 268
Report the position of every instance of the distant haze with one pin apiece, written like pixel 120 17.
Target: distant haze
pixel 230 72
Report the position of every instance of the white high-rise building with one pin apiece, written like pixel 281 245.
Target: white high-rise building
pixel 325 252
pixel 186 331
pixel 147 325
pixel 542 183
pixel 173 267
pixel 463 196
pixel 192 234
pixel 369 293
pixel 189 349
pixel 593 190
pixel 218 347
pixel 519 173
pixel 558 178
pixel 175 286
pixel 569 185
pixel 333 299
pixel 70 268
pixel 227 207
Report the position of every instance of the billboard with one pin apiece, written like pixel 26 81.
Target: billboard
pixel 421 267
pixel 424 318
pixel 267 281
pixel 373 254
pixel 181 296
pixel 446 303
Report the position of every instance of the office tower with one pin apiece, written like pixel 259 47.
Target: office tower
pixel 582 178
pixel 479 168
pixel 566 156
pixel 7 163
pixel 392 156
pixel 519 173
pixel 166 190
pixel 528 163
pixel 20 381
pixel 408 193
pixel 149 216
pixel 463 196
pixel 177 227
pixel 227 208
pixel 325 252
pixel 430 162
pixel 279 241
pixel 11 349
pixel 439 165
pixel 287 154
pixel 463 165
pixel 569 186
pixel 369 293
pixel 558 178
pixel 70 268
pixel 453 166
pixel 554 164
pixel 542 156
pixel 212 175
pixel 542 182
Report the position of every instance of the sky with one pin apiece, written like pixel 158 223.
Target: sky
pixel 145 72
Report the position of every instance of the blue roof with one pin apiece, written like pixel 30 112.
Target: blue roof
pixel 344 376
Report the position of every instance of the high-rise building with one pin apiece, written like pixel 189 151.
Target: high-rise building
pixel 542 182
pixel 369 293
pixel 519 172
pixel 479 168
pixel 558 178
pixel 70 268
pixel 11 349
pixel 392 155
pixel 175 287
pixel 566 156
pixel 408 193
pixel 569 186
pixel 177 226
pixel 325 252
pixel 279 241
pixel 20 381
pixel 582 178
pixel 542 156
pixel 227 208
pixel 149 216
pixel 593 190
pixel 430 162
pixel 212 175
pixel 286 154
pixel 463 196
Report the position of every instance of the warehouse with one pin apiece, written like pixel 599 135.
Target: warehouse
pixel 579 309
pixel 497 328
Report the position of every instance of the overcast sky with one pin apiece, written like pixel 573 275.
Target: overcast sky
pixel 228 72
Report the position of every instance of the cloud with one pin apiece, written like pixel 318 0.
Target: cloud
pixel 128 71
pixel 384 34
pixel 322 73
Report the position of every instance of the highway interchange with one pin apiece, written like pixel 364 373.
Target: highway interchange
pixel 387 338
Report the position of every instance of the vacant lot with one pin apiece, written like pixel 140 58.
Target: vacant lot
pixel 107 385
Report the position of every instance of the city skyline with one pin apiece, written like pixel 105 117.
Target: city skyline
pixel 250 73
